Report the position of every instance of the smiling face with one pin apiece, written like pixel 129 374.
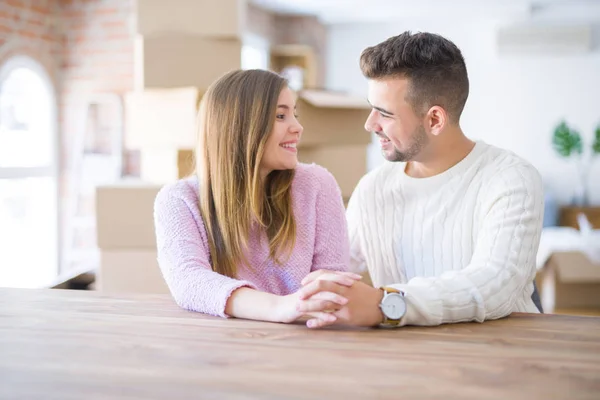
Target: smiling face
pixel 280 149
pixel 401 132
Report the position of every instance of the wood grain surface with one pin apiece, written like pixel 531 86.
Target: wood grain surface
pixel 63 344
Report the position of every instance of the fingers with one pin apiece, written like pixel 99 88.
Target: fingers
pixel 316 274
pixel 323 285
pixel 315 323
pixel 322 302
pixel 310 306
pixel 320 319
pixel 330 296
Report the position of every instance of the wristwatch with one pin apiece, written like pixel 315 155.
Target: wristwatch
pixel 393 306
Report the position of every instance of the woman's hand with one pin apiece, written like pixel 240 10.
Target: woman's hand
pixel 288 306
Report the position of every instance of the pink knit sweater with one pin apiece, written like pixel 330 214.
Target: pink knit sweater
pixel 184 257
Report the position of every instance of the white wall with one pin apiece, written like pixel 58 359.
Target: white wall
pixel 514 102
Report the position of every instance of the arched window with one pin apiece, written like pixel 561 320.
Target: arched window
pixel 29 255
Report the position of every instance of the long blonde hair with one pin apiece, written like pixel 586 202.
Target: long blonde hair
pixel 236 116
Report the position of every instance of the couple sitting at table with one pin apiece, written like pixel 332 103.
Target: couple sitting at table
pixel 447 230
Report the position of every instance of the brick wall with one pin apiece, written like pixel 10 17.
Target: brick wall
pixel 30 27
pixel 98 53
pixel 86 47
pixel 98 59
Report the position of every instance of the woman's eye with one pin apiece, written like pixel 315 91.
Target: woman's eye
pixel 280 116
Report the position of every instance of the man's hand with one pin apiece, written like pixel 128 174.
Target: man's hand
pixel 362 308
pixel 326 302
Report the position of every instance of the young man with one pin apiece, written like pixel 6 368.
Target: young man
pixel 449 229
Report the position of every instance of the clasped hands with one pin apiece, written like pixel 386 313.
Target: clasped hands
pixel 332 297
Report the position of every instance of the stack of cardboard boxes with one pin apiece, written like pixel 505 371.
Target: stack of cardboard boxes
pixel 161 124
pixel 182 46
pixel 334 136
pixel 181 51
pixel 127 240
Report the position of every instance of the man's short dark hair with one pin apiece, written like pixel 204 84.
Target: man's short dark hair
pixel 433 65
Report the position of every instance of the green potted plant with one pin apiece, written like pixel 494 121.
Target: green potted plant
pixel 596 143
pixel 567 143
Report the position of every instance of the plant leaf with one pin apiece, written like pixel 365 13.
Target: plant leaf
pixel 564 141
pixel 596 142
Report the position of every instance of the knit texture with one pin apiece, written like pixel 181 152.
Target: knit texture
pixel 461 244
pixel 184 256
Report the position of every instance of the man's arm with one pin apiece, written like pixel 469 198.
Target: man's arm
pixel 503 262
pixel 495 279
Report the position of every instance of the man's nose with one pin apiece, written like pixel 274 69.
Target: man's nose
pixel 371 124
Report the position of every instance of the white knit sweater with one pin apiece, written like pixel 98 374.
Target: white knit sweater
pixel 461 245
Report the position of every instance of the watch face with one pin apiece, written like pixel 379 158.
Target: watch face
pixel 394 306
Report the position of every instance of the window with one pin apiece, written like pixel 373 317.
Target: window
pixel 28 176
pixel 255 52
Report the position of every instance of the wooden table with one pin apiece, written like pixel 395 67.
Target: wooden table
pixel 61 344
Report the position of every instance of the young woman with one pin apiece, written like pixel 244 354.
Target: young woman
pixel 237 238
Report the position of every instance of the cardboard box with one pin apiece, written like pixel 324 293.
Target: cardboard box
pixel 347 163
pixel 568 216
pixel 159 118
pixel 569 280
pixel 224 18
pixel 332 118
pixel 186 163
pixel 297 55
pixel 125 216
pixel 130 271
pixel 162 166
pixel 172 60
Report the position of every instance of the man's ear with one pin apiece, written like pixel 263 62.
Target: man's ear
pixel 436 120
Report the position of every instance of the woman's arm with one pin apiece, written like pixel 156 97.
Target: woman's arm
pixel 183 255
pixel 251 304
pixel 185 264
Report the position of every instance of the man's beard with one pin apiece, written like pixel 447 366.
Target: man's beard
pixel 420 140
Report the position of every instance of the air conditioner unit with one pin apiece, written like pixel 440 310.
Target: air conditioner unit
pixel 545 39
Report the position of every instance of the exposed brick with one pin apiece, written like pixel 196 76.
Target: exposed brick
pixel 115 24
pixel 48 38
pixel 107 11
pixel 117 37
pixel 40 8
pixel 15 3
pixel 27 33
pixel 73 14
pixel 4 29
